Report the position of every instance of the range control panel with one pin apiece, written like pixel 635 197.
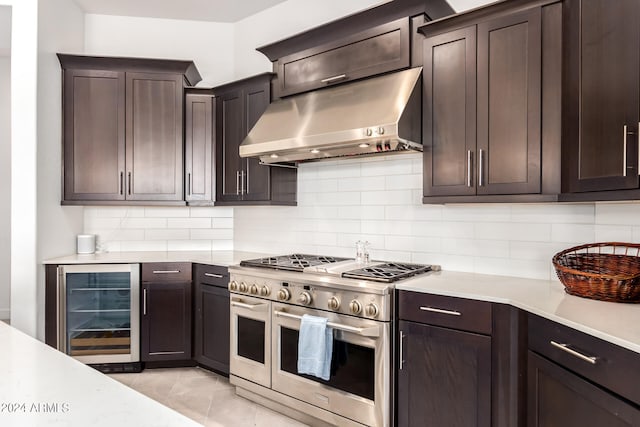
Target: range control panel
pixel 326 297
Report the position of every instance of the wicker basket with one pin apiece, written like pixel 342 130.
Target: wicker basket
pixel 604 271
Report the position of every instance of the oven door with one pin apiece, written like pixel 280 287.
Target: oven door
pixel 359 387
pixel 250 335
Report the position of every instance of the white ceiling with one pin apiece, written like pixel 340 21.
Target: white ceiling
pixel 198 10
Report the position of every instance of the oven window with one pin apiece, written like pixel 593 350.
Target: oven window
pixel 352 366
pixel 251 339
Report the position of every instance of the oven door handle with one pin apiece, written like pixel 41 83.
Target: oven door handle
pixel 248 306
pixel 372 331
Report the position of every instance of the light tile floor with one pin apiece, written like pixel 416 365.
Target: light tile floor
pixel 203 396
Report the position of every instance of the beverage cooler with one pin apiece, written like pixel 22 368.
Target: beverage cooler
pixel 99 315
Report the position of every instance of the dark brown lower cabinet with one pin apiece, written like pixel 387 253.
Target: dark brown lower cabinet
pixel 444 377
pixel 165 326
pixel 558 397
pixel 211 331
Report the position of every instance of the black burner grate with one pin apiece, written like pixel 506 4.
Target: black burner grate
pixel 387 272
pixel 293 262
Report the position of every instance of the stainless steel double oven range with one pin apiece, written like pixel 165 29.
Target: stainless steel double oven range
pixel 269 296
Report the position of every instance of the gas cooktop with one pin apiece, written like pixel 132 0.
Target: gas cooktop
pixel 378 271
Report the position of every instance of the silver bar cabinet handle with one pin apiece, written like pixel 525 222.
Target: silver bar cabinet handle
pixel 238 182
pixel 373 331
pixel 166 271
pixel 217 276
pixel 189 183
pixel 441 311
pixel 144 302
pixel 247 306
pixel 469 160
pixel 401 350
pixel 481 167
pixel 121 183
pixel 566 348
pixel 624 151
pixel 245 182
pixel 129 183
pixel 334 78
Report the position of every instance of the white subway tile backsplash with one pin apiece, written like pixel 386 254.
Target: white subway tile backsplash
pixel 391 197
pixel 211 212
pixel 400 165
pixel 403 182
pixel 553 213
pixel 520 268
pixel 513 231
pixel 189 245
pixel 143 223
pixel 613 233
pixel 210 234
pixel 222 222
pixel 166 234
pixel 579 233
pixel 477 213
pixel 189 222
pixel 618 213
pixel 137 246
pixel 157 212
pixel 369 183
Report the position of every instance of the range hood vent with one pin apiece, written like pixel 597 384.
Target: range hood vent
pixel 380 115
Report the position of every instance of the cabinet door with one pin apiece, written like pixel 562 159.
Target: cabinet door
pixel 199 133
pixel 601 94
pixel 230 131
pixel 444 377
pixel 154 136
pixel 165 329
pixel 257 177
pixel 558 397
pixel 94 135
pixel 212 327
pixel 509 82
pixel 378 50
pixel 449 76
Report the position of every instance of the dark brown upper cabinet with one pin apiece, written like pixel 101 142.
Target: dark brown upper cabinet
pixel 123 129
pixel 199 134
pixel 376 50
pixel 239 180
pixel 490 77
pixel 601 99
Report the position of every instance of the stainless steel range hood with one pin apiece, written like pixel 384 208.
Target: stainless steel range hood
pixel 377 115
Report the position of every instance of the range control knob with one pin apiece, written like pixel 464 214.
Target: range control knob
pixel 333 303
pixel 243 287
pixel 355 307
pixel 371 310
pixel 380 130
pixel 264 290
pixel 284 294
pixel 233 285
pixel 304 298
pixel 253 290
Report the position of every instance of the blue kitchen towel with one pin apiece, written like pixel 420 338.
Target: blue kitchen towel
pixel 315 345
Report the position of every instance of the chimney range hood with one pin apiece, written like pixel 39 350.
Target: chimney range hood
pixel 376 115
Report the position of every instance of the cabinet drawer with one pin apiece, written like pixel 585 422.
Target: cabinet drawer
pixel 166 272
pixel 377 50
pixel 215 275
pixel 450 312
pixel 614 367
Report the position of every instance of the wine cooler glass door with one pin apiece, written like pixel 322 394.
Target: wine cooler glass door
pixel 101 311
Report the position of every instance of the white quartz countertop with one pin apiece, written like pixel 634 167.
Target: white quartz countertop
pixel 40 386
pixel 223 258
pixel 614 322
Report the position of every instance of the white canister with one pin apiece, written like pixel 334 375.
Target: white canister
pixel 86 243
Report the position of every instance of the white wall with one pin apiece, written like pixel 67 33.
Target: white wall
pixel 5 185
pixel 282 21
pixel 210 45
pixel 57 225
